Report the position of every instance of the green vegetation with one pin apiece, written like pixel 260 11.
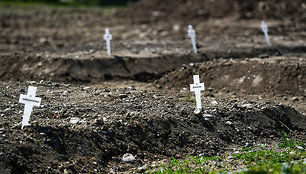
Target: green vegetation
pixel 268 158
pixel 291 143
pixel 263 159
pixel 189 97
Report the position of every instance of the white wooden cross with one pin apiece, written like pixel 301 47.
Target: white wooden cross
pixel 197 87
pixel 192 36
pixel 108 38
pixel 265 30
pixel 29 100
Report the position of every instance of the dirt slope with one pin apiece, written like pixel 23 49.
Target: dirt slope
pixel 278 75
pixel 118 121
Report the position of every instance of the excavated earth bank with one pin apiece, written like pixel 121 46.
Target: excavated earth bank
pixel 275 75
pixel 116 121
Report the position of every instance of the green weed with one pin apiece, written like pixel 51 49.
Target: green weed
pixel 255 159
pixel 291 143
pixel 189 98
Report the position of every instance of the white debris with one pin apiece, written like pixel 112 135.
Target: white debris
pixel 214 102
pixel 247 106
pixel 65 93
pixel 74 120
pixel 228 123
pixel 128 157
pixel 300 147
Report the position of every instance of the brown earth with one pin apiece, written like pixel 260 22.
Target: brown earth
pixel 148 10
pixel 146 123
pixel 278 75
pixel 253 91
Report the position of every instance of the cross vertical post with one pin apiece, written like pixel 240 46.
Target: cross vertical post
pixel 108 38
pixel 264 28
pixel 197 87
pixel 192 36
pixel 30 101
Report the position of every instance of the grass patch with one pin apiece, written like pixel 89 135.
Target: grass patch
pixel 291 143
pixel 269 156
pixel 259 159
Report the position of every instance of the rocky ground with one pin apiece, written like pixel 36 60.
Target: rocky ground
pixel 137 101
pixel 115 121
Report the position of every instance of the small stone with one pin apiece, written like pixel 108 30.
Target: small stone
pixel 106 90
pixel 22 90
pixel 128 157
pixel 142 169
pixel 131 88
pixel 214 102
pixel 74 120
pixel 87 87
pixel 176 27
pixel 164 33
pixel 295 99
pixel 207 115
pixel 249 106
pixel 228 123
pixel 263 56
pixel 300 147
pixel 7 109
pixel 123 95
pixel 33 82
pixel 97 92
pixel 65 93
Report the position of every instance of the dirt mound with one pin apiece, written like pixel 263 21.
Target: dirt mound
pixel 203 9
pixel 144 61
pixel 27 67
pixel 252 76
pixel 118 121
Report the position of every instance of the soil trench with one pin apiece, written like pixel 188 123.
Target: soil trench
pixel 94 66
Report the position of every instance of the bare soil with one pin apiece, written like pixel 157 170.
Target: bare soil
pixel 126 120
pixel 137 101
pixel 205 9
